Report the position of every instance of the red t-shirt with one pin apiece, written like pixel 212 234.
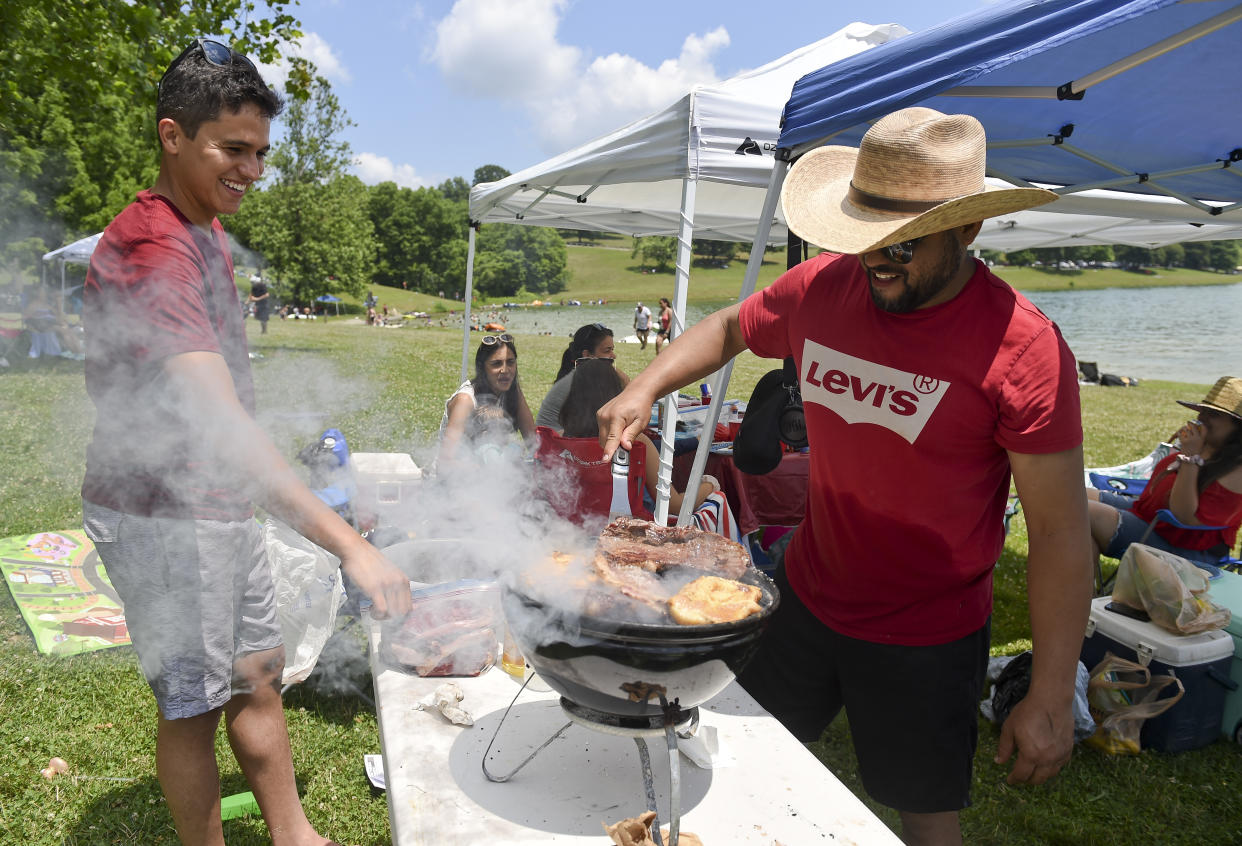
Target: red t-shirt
pixel 157 287
pixel 909 417
pixel 1218 506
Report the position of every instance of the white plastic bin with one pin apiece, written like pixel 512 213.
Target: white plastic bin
pixel 386 485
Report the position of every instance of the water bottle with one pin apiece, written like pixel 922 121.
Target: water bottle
pixel 620 505
pixel 706 390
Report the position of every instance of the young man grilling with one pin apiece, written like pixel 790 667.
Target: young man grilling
pixel 176 459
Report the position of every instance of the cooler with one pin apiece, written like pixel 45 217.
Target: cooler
pixel 1227 591
pixel 1200 661
pixel 387 483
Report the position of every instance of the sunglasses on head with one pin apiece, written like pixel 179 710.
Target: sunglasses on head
pixel 902 252
pixel 217 54
pixel 492 340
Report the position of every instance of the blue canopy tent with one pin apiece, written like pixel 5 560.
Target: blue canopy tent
pixel 1086 97
pixel 329 298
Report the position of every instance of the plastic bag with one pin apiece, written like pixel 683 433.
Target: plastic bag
pixel 1122 695
pixel 1011 674
pixel 1169 588
pixel 307 580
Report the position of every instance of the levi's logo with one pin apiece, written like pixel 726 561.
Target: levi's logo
pixel 861 391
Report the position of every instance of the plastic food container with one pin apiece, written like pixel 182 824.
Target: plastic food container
pixel 451 630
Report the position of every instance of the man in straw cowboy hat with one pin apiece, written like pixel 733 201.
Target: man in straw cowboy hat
pixel 926 381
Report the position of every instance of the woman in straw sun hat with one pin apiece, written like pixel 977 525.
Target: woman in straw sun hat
pixel 926 382
pixel 1200 482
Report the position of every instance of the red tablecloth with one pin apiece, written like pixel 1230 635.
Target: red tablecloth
pixel 774 499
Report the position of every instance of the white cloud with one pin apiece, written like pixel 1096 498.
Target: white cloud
pixel 316 50
pixel 507 50
pixel 373 169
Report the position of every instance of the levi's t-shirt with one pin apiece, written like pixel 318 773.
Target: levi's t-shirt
pixel 158 286
pixel 909 418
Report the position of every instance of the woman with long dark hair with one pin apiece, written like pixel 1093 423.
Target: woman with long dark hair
pixel 1200 482
pixel 495 382
pixel 594 340
pixel 594 384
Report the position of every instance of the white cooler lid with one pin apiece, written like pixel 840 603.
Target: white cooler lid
pixel 398 464
pixel 1162 645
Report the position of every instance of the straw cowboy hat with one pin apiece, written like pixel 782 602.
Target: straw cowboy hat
pixel 917 172
pixel 1225 396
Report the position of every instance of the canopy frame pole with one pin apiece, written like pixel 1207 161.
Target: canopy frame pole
pixel 685 236
pixel 465 320
pixel 722 376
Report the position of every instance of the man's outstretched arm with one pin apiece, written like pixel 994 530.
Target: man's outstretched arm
pixel 702 349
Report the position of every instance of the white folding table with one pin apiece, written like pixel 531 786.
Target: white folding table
pixel 764 788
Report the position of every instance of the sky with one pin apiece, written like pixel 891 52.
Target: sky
pixel 437 88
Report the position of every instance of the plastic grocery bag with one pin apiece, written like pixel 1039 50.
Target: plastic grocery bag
pixel 307 579
pixel 1122 695
pixel 1172 590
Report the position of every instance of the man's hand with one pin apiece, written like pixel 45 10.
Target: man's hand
pixel 622 418
pixel 385 585
pixel 1043 737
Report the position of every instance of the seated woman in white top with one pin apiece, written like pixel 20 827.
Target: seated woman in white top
pixel 593 340
pixel 495 380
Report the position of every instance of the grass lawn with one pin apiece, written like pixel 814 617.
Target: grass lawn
pixel 385 390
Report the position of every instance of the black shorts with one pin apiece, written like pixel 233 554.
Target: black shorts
pixel 913 710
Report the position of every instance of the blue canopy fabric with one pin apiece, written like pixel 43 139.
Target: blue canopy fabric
pixel 327 298
pixel 1137 96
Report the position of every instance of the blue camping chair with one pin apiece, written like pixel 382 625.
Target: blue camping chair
pixel 1133 487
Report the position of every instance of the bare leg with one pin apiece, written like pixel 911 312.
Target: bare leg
pixel 1103 520
pixel 942 829
pixel 259 738
pixel 185 760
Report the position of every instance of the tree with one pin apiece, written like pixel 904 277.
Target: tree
pixel 658 251
pixel 489 173
pixel 1020 258
pixel 313 225
pixel 415 232
pixel 316 238
pixel 455 189
pixel 77 103
pixel 511 258
pixel 1225 256
pixel 714 252
pixel 311 150
pixel 1197 255
pixel 1132 257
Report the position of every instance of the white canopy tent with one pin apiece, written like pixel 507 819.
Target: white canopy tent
pixel 698 168
pixel 79 252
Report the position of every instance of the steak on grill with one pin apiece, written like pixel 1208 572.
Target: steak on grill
pixel 630 542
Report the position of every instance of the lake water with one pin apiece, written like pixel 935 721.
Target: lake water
pixel 1146 333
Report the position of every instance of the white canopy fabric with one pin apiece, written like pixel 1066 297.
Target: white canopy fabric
pixel 79 252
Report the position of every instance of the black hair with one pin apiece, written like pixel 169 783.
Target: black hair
pixel 482 388
pixel 596 381
pixel 585 340
pixel 1226 459
pixel 193 91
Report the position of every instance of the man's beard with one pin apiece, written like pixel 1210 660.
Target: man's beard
pixel 934 282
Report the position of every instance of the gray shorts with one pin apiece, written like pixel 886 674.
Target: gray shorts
pixel 198 596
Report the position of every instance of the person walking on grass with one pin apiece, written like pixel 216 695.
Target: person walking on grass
pixel 176 459
pixel 642 324
pixel 926 382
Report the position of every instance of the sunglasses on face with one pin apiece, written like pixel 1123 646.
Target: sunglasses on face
pixel 493 340
pixel 217 54
pixel 902 252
